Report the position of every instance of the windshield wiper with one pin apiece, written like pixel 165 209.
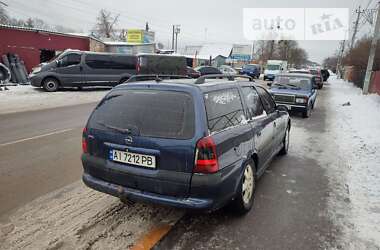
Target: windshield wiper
pixel 121 130
pixel 292 85
pixel 280 84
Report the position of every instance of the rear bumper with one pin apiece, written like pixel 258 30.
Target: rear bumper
pixel 133 194
pixel 269 77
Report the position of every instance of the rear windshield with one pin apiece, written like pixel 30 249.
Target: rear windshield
pixel 152 113
pixel 224 109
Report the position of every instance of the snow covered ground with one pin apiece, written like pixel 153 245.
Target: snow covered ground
pixel 25 98
pixel 354 172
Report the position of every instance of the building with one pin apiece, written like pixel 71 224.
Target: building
pixel 129 48
pixel 35 46
pixel 219 54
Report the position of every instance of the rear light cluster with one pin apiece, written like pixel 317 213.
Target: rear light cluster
pixel 206 159
pixel 84 141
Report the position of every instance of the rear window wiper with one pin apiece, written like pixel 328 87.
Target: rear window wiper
pixel 121 130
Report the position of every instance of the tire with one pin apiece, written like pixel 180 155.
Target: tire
pixel 245 195
pixel 286 142
pixel 306 113
pixel 50 84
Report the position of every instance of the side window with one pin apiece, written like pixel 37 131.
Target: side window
pixel 267 100
pixel 255 108
pixel 97 61
pixel 71 59
pixel 224 109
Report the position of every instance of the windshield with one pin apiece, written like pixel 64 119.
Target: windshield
pixel 292 82
pixel 251 67
pixel 273 67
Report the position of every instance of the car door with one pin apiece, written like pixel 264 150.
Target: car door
pixel 261 130
pixel 98 71
pixel 270 133
pixel 70 70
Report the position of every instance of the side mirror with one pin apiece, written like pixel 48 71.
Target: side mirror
pixel 282 108
pixel 59 63
pixel 269 84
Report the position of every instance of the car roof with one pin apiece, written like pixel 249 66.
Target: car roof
pixel 209 85
pixel 297 75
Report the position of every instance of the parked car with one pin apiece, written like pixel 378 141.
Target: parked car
pixel 297 92
pixel 74 68
pixel 228 70
pixel 190 72
pixel 161 64
pixel 208 70
pixel 252 70
pixel 325 74
pixel 184 143
pixel 318 77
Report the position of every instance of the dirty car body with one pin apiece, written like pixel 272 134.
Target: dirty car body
pixel 167 125
pixel 297 92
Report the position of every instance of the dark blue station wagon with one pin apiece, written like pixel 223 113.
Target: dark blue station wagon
pixel 197 145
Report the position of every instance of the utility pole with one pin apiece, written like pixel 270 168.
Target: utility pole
pixel 177 31
pixel 340 57
pixel 372 52
pixel 173 38
pixel 356 23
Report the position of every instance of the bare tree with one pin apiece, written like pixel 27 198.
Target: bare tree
pixel 330 62
pixel 105 26
pixel 297 57
pixel 4 18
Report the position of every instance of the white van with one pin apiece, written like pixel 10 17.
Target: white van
pixel 273 68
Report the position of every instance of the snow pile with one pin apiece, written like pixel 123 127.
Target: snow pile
pixel 26 98
pixel 356 130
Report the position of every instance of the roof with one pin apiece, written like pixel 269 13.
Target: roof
pixel 118 43
pixel 80 35
pixel 297 75
pixel 205 51
pixel 209 85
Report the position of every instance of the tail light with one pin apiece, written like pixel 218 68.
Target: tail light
pixel 138 67
pixel 206 159
pixel 84 141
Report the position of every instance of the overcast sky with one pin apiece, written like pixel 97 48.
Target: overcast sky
pixel 221 19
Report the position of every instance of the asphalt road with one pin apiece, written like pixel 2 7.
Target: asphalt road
pixel 290 210
pixel 39 152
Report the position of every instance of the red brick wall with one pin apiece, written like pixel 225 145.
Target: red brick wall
pixel 375 83
pixel 27 44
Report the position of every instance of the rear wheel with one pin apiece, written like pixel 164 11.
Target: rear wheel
pixel 50 84
pixel 243 201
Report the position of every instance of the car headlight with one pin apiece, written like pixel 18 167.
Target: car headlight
pixel 301 100
pixel 36 70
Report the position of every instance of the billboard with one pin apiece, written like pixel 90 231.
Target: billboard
pixel 140 36
pixel 135 36
pixel 241 52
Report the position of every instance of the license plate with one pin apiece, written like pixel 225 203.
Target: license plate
pixel 148 161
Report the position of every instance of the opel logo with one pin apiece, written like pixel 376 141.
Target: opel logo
pixel 129 140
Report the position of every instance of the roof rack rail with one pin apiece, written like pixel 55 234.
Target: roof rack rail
pixel 202 79
pixel 156 77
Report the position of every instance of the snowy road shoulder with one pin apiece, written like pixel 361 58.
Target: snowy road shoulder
pixel 354 171
pixel 76 217
pixel 26 98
